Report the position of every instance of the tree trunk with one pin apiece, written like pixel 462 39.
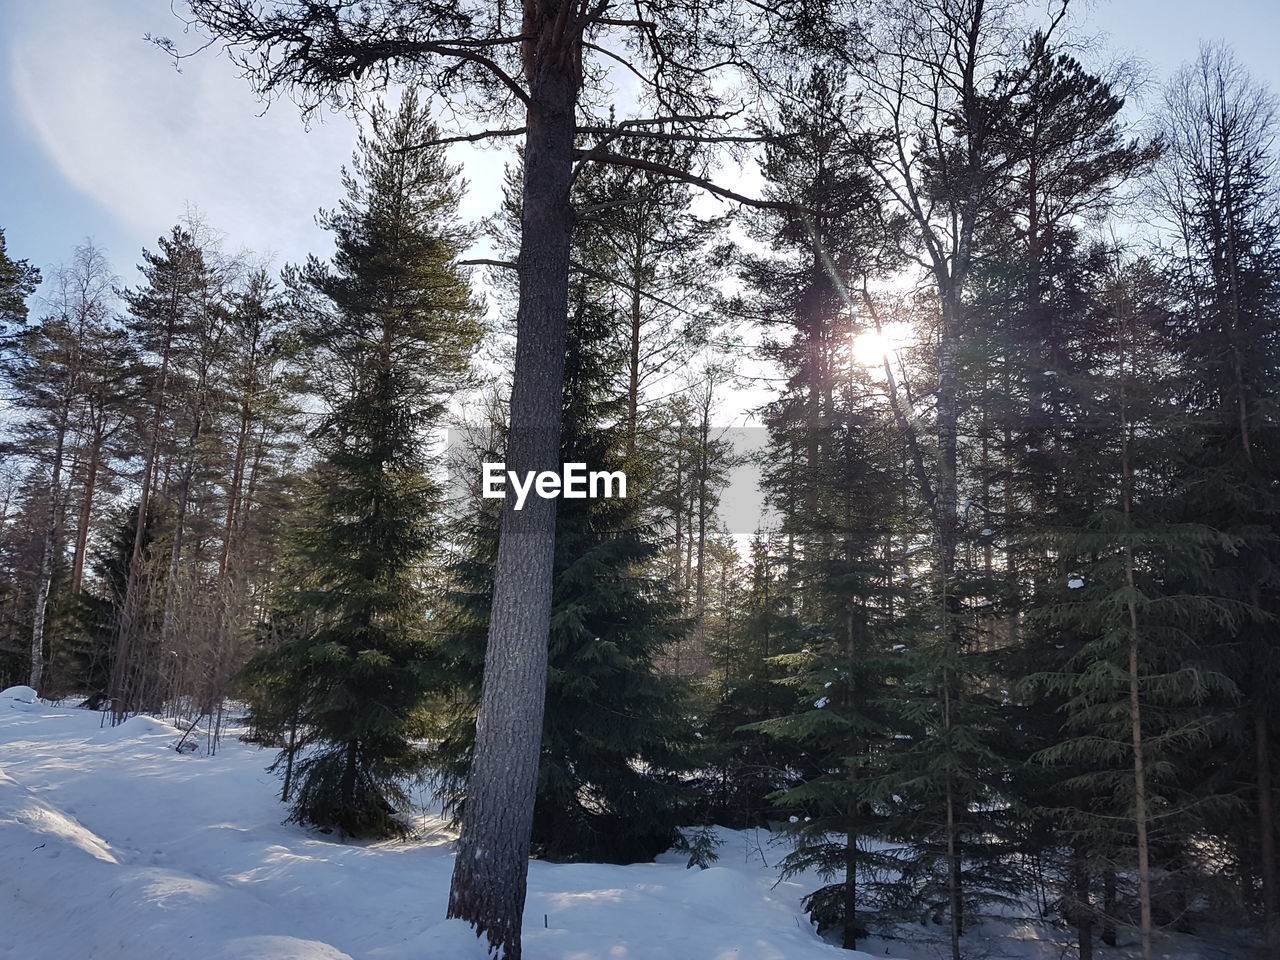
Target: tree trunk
pixel 490 872
pixel 1266 830
pixel 120 681
pixel 46 558
pixel 849 937
pixel 1109 896
pixel 179 534
pixel 955 875
pixel 1082 909
pixel 1139 790
pixel 291 751
pixel 233 493
pixel 1135 703
pixel 633 358
pixel 704 468
pixel 86 515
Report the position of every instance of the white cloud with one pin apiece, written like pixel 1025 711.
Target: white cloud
pixel 143 140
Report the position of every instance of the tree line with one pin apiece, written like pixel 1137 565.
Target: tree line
pixel 1007 636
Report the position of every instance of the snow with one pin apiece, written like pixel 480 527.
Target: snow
pixel 17 698
pixel 116 847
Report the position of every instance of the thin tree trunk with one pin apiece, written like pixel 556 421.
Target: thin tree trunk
pixel 233 494
pixel 47 545
pixel 122 668
pixel 490 872
pixel 633 358
pixel 1139 782
pixel 289 754
pixel 1266 829
pixel 704 467
pixel 1083 908
pixel 849 937
pixel 954 876
pixel 86 515
pixel 1135 703
pixel 1109 896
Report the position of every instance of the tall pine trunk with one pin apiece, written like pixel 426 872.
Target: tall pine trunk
pixel 490 872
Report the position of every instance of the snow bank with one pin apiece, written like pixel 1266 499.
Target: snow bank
pixel 17 698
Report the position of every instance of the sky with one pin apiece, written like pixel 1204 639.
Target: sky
pixel 101 137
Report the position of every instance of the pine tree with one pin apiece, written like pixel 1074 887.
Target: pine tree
pixel 54 371
pixel 18 280
pixel 392 324
pixel 831 474
pixel 171 317
pixel 843 675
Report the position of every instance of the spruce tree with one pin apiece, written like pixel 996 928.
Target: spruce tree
pixel 1218 181
pixel 745 766
pixel 614 736
pixel 1140 693
pixel 831 472
pixel 392 325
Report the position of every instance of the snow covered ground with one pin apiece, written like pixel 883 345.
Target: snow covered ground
pixel 115 847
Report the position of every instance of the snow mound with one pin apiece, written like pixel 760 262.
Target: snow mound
pixel 17 698
pixel 29 823
pixel 141 725
pixel 278 948
pixel 136 727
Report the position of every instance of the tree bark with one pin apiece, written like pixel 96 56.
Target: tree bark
pixel 46 556
pixel 1135 702
pixel 1266 830
pixel 490 872
pixel 1082 909
pixel 120 682
pixel 1109 894
pixel 633 356
pixel 86 515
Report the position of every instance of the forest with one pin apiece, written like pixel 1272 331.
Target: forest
pixel 1004 637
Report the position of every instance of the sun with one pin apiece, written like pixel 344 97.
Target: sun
pixel 872 346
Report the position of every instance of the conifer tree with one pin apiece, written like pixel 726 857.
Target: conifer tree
pixel 614 734
pixel 18 280
pixel 1140 694
pixel 171 316
pixel 54 372
pixel 392 324
pixel 1219 183
pixel 846 665
pixel 831 475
